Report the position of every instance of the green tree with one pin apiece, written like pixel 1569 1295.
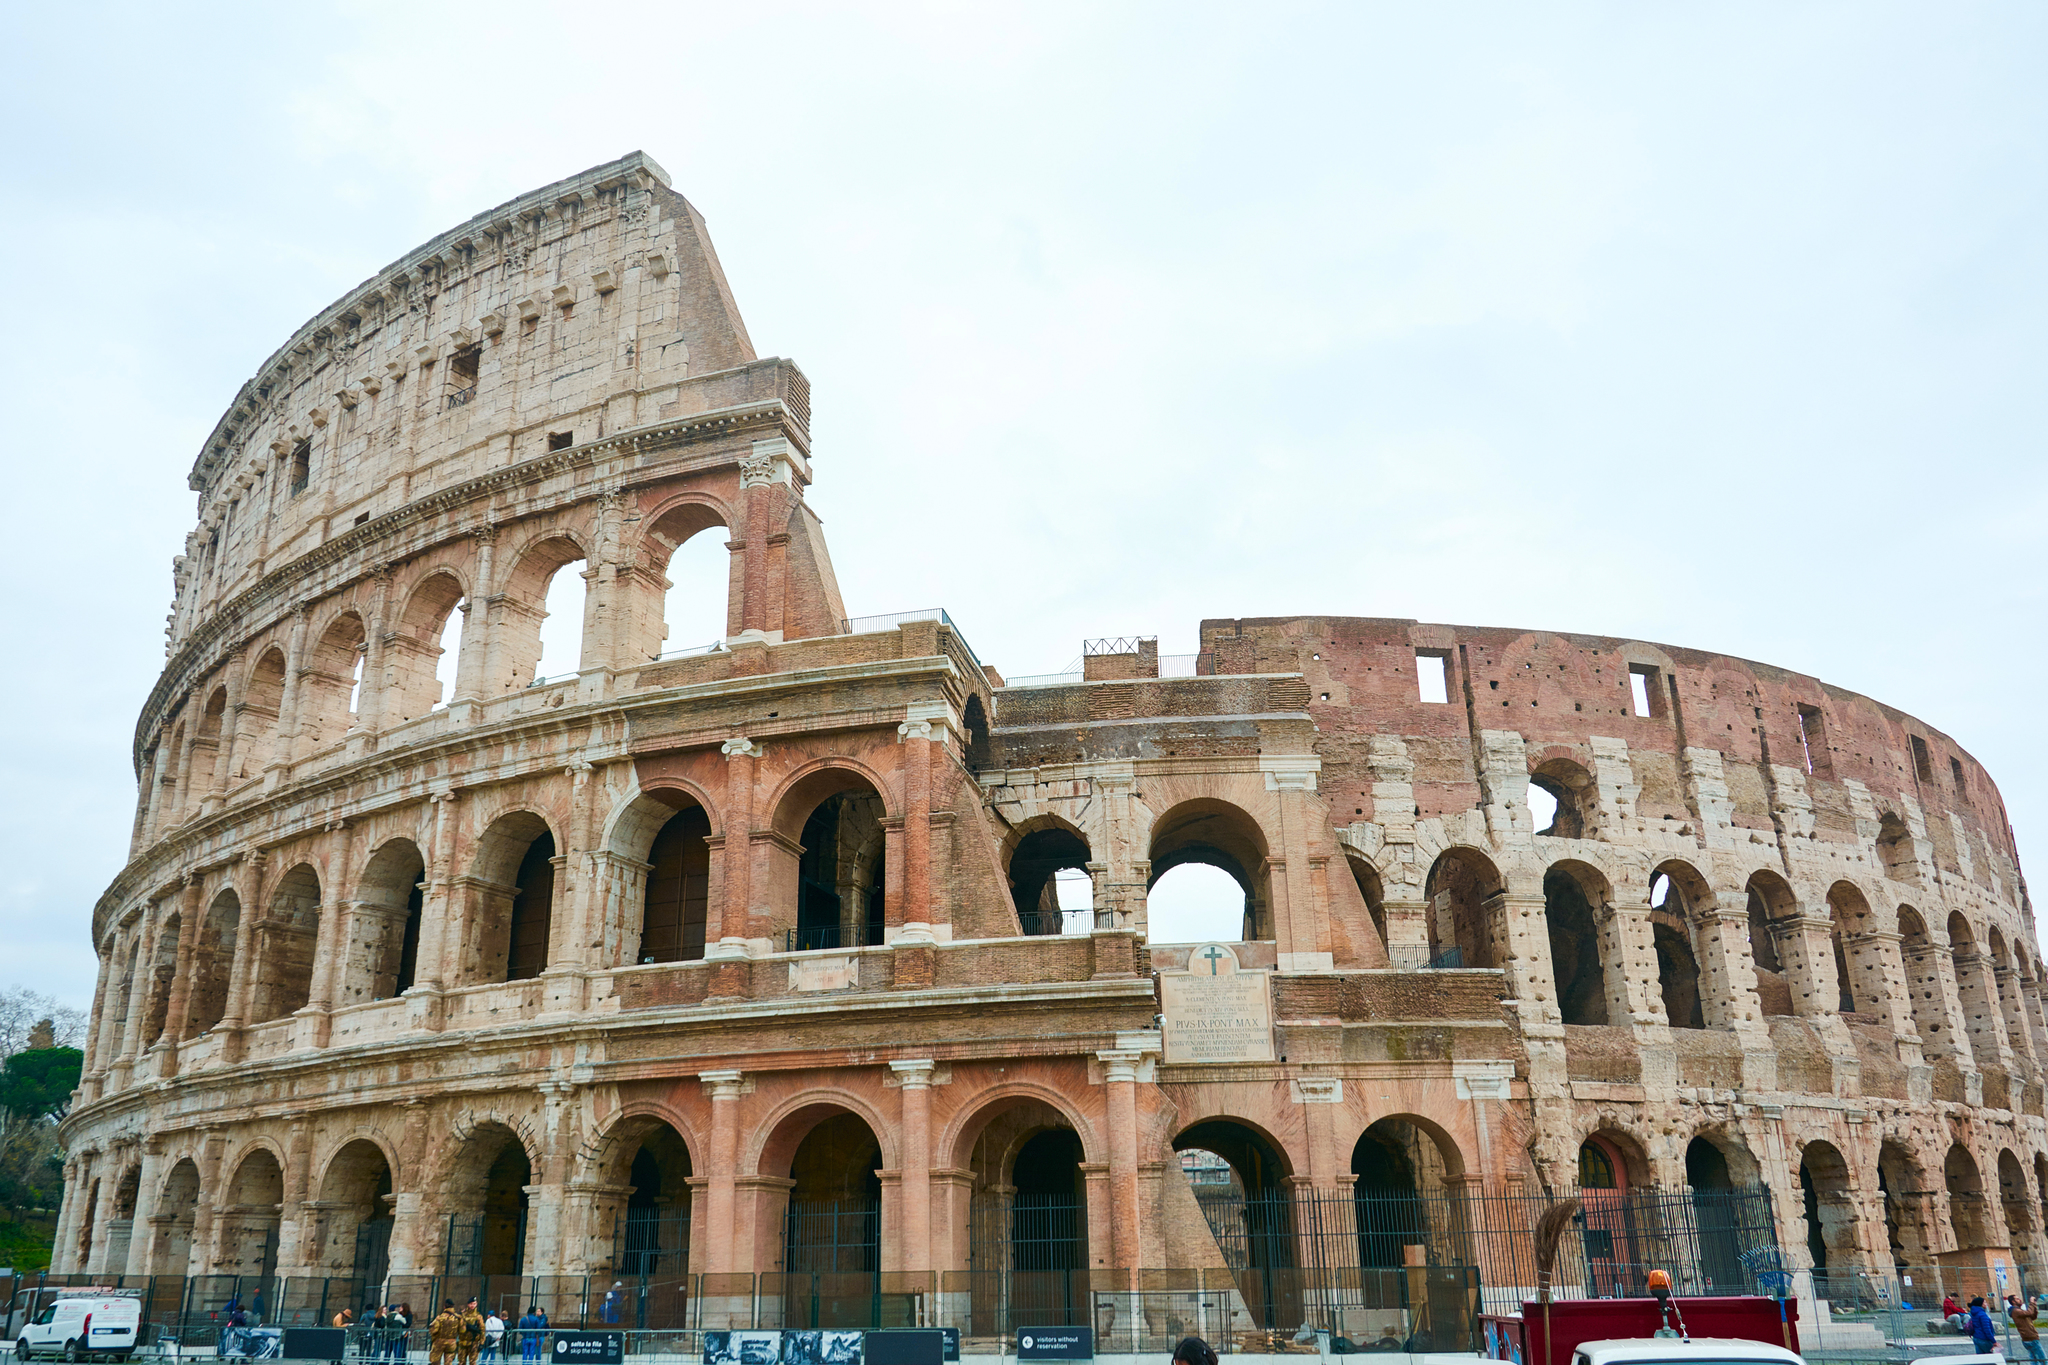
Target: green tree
pixel 36 1085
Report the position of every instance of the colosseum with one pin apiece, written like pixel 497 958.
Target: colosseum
pixel 738 985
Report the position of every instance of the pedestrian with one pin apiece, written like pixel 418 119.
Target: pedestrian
pixel 370 1343
pixel 1983 1332
pixel 444 1335
pixel 1194 1351
pixel 530 1323
pixel 2023 1315
pixel 398 1331
pixel 494 1333
pixel 345 1319
pixel 472 1338
pixel 613 1297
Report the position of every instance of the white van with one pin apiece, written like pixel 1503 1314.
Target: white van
pixel 82 1325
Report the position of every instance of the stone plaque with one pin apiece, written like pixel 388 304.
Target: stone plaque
pixel 1215 1013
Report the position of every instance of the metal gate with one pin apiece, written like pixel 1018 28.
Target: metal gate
pixel 832 1259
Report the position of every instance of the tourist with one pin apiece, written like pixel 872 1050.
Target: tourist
pixel 1194 1351
pixel 612 1299
pixel 2022 1315
pixel 397 1331
pixel 530 1324
pixel 1983 1332
pixel 494 1332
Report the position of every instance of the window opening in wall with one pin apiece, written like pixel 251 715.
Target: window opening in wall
pixel 1922 764
pixel 451 655
pixel 699 576
pixel 355 686
pixel 532 915
pixel 1430 678
pixel 1955 768
pixel 561 440
pixel 302 467
pixel 1195 903
pixel 462 372
pixel 1542 809
pixel 1813 739
pixel 1076 892
pixel 1642 690
pixel 1660 891
pixel 561 632
pixel 1049 882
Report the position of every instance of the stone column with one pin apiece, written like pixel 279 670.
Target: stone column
pixel 1937 1003
pixel 762 500
pixel 740 756
pixel 1120 1076
pixel 248 887
pixel 1806 945
pixel 187 793
pixel 1301 919
pixel 138 986
pixel 474 660
pixel 437 913
pixel 1876 953
pixel 722 1171
pixel 298 1243
pixel 1979 994
pixel 370 703
pixel 101 1015
pixel 230 729
pixel 914 1187
pixel 203 1214
pixel 178 1009
pixel 916 738
pixel 1727 970
pixel 285 752
pixel 2018 1035
pixel 140 1249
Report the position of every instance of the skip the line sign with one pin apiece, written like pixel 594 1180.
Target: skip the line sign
pixel 1056 1343
pixel 1213 1012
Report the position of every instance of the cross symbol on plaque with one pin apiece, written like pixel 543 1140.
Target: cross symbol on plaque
pixel 1213 956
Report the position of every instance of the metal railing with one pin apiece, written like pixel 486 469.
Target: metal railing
pixel 1067 679
pixel 1447 960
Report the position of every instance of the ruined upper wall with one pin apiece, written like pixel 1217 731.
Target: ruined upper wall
pixel 554 319
pixel 1559 691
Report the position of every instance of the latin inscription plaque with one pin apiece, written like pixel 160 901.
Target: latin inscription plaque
pixel 1214 1012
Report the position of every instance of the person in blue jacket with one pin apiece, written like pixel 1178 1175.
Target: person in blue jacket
pixel 1983 1332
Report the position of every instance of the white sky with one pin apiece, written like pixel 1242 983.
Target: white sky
pixel 1716 325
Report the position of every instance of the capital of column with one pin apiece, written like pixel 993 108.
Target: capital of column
pixel 740 747
pixel 913 729
pixel 915 1074
pixel 724 1085
pixel 1119 1064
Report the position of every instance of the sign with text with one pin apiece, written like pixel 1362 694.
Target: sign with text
pixel 590 1348
pixel 1056 1343
pixel 1215 1013
pixel 906 1346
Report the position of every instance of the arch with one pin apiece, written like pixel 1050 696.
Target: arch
pixel 412 652
pixel 1028 1209
pixel 1575 905
pixel 356 1190
pixel 1770 902
pixel 1976 989
pixel 1895 849
pixel 210 746
pixel 1215 834
pixel 648 1156
pixel 2022 1229
pixel 1710 1177
pixel 1464 888
pixel 1924 988
pixel 213 961
pixel 1828 1190
pixel 262 704
pixel 524 609
pixel 328 684
pixel 1033 863
pixel 675 908
pixel 1405 1168
pixel 1679 897
pixel 2041 1185
pixel 1859 968
pixel 1568 783
pixel 834 887
pixel 778 1135
pixel 287 940
pixel 163 972
pixel 390 903
pixel 832 1221
pixel 247 1224
pixel 963 1135
pixel 512 897
pixel 484 1191
pixel 1969 1224
pixel 1254 1220
pixel 976 751
pixel 177 1202
pixel 1903 1186
pixel 696 576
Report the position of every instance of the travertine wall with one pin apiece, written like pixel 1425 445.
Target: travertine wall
pixel 379 954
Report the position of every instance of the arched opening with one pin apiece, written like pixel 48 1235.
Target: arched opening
pixel 1028 1228
pixel 1712 1182
pixel 836 888
pixel 121 1227
pixel 328 688
pixel 163 972
pixel 1899 1184
pixel 1252 1219
pixel 1563 801
pixel 832 1230
pixel 213 962
pixel 1770 902
pixel 2016 1201
pixel 2005 988
pixel 486 1194
pixel 974 728
pixel 1923 983
pixel 1980 1010
pixel 82 1251
pixel 653 1240
pixel 262 700
pixel 1678 970
pixel 538 618
pixel 1895 849
pixel 1463 888
pixel 1967 1219
pixel 422 655
pixel 697 576
pixel 1373 892
pixel 1609 1165
pixel 286 943
pixel 248 1226
pixel 676 910
pixel 357 1196
pixel 1571 891
pixel 1829 1201
pixel 384 960
pixel 513 900
pixel 1859 968
pixel 209 747
pixel 1198 906
pixel 1400 1201
pixel 171 1221
pixel 2041 1186
pixel 1050 884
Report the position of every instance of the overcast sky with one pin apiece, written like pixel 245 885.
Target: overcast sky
pixel 1716 325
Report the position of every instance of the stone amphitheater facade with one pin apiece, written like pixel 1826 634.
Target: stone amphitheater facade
pixel 719 932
